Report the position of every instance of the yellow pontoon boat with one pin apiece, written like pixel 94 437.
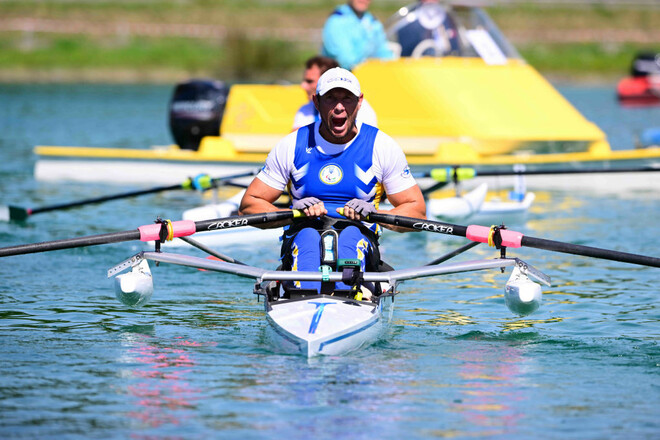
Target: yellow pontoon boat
pixel 458 94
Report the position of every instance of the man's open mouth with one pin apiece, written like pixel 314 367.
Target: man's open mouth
pixel 338 123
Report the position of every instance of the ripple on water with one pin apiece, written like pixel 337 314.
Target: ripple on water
pixel 196 363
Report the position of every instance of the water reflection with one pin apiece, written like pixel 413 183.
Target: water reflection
pixel 162 370
pixel 491 383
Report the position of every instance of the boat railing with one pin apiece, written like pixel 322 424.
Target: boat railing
pixel 437 30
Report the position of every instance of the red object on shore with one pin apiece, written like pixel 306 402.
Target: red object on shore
pixel 638 91
pixel 642 87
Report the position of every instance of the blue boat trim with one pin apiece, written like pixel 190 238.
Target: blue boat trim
pixel 317 316
pixel 339 338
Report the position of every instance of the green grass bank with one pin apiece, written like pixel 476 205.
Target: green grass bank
pixel 267 41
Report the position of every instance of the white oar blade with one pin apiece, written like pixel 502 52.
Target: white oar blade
pixel 4 214
pixel 522 296
pixel 134 288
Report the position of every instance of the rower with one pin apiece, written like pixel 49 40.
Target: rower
pixel 333 166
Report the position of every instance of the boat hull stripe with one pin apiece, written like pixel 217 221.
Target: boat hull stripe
pixel 347 335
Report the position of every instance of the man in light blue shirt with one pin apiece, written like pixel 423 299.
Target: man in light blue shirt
pixel 352 34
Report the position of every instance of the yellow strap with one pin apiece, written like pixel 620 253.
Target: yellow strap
pixel 358 293
pixel 491 234
pixel 170 230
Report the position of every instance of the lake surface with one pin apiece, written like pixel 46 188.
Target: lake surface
pixel 195 363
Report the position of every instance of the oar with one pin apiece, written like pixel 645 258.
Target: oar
pixel 17 213
pixel 464 173
pixel 513 239
pixel 155 232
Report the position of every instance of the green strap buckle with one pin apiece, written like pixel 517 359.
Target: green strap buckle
pixel 325 271
pixel 348 262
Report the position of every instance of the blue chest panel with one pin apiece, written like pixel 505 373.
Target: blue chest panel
pixel 334 179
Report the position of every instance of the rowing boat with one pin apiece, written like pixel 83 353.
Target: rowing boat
pixel 337 321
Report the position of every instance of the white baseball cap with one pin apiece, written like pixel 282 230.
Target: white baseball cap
pixel 338 78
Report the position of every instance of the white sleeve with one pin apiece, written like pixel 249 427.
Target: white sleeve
pixel 392 165
pixel 304 116
pixel 277 169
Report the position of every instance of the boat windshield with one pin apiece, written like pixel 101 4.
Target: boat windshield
pixel 431 29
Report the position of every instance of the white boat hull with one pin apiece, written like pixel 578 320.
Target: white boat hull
pixel 226 237
pixel 326 325
pixel 457 208
pixel 126 172
pixel 506 212
pixel 472 207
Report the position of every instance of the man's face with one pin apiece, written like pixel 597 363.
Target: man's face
pixel 338 109
pixel 310 79
pixel 360 5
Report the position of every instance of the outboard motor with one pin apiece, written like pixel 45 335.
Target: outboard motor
pixel 196 111
pixel 645 64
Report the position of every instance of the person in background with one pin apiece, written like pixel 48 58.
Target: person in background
pixel 307 114
pixel 331 165
pixel 432 25
pixel 352 34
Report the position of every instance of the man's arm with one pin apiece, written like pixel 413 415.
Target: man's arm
pixel 259 198
pixel 408 203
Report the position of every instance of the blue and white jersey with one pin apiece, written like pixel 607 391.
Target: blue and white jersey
pixel 336 173
pixel 334 178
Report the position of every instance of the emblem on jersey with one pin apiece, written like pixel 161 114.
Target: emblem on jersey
pixel 405 172
pixel 308 150
pixel 331 174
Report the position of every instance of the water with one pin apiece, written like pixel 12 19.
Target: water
pixel 194 363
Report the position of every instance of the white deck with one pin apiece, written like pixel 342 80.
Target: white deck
pixel 324 325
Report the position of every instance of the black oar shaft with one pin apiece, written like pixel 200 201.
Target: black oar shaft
pixel 90 240
pixel 104 199
pixel 588 251
pixel 151 232
pixel 244 220
pixel 539 243
pixel 419 224
pixel 18 213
